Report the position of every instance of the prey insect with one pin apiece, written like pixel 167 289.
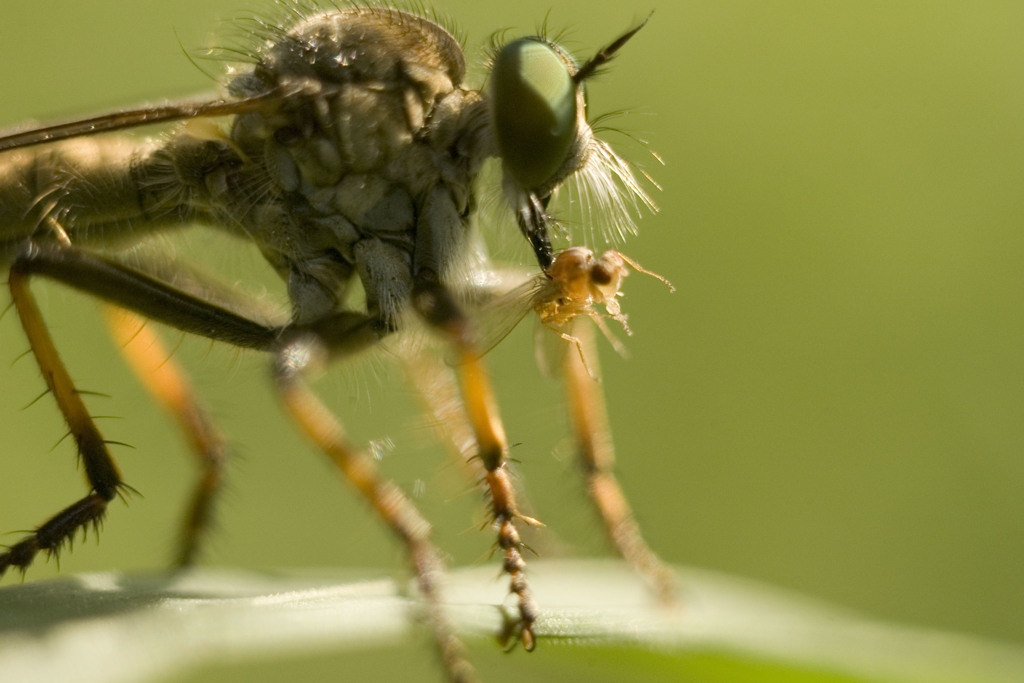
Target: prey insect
pixel 573 285
pixel 563 296
pixel 349 152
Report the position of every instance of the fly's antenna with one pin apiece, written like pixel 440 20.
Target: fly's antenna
pixel 604 56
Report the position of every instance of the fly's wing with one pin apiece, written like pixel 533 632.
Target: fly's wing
pixel 498 306
pixel 65 181
pixel 132 118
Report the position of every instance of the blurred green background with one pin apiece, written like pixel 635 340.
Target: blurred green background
pixel 833 401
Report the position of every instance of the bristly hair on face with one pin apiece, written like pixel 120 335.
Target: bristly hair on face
pixel 606 193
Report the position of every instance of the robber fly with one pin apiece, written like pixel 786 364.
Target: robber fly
pixel 347 150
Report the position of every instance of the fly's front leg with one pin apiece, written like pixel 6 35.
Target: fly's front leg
pixel 589 419
pixel 100 471
pixel 168 384
pixel 392 505
pixel 437 307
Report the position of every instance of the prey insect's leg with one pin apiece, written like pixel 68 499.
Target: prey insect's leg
pixel 385 497
pixel 589 419
pixel 100 470
pixel 168 384
pixel 437 307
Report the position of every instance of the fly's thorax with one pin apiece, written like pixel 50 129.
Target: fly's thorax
pixel 417 203
pixel 360 44
pixel 355 85
pixel 369 154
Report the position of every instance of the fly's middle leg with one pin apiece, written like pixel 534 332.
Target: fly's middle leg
pixel 297 357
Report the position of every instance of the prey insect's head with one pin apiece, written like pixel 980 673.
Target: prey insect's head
pixel 542 135
pixel 576 283
pixel 578 279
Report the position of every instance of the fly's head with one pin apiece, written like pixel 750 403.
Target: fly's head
pixel 541 133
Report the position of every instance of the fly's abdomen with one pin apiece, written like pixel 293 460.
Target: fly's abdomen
pixel 98 191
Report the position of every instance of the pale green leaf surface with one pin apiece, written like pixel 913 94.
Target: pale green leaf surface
pixel 111 628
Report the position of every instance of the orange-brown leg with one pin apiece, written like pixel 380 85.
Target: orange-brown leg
pixel 439 310
pixel 438 391
pixel 390 503
pixel 102 474
pixel 128 288
pixel 168 384
pixel 589 419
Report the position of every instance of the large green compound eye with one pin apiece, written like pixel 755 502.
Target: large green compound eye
pixel 534 109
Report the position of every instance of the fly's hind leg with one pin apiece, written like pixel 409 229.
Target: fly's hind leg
pixel 589 419
pixel 100 470
pixel 296 348
pixel 306 352
pixel 63 262
pixel 436 306
pixel 168 384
